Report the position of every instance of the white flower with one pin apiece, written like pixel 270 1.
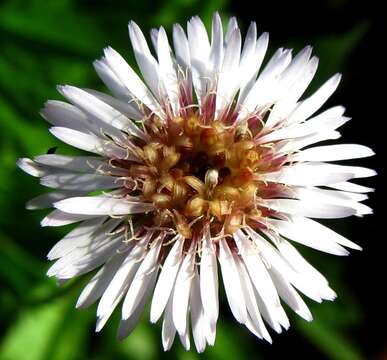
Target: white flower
pixel 206 159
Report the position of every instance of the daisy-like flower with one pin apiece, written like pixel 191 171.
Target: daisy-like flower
pixel 203 166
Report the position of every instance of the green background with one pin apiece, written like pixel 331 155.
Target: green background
pixel 44 43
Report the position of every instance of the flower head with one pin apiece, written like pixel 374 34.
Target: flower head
pixel 204 160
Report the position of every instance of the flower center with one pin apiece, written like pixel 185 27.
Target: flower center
pixel 198 173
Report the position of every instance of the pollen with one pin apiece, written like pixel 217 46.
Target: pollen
pixel 199 173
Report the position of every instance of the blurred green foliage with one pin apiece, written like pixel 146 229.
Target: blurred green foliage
pixel 44 43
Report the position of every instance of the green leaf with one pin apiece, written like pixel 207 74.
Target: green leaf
pixel 334 52
pixel 71 339
pixel 56 26
pixel 33 138
pixel 29 338
pixel 232 342
pixel 18 269
pixel 48 330
pixel 329 340
pixel 141 343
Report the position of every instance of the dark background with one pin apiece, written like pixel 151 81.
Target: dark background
pixel 47 43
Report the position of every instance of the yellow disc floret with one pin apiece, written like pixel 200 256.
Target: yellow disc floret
pixel 198 174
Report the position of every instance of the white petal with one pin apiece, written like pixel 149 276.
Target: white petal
pixel 101 205
pixel 181 47
pixel 62 114
pixel 128 325
pixel 228 81
pixel 300 130
pixel 231 26
pixel 89 142
pixel 325 195
pixel 251 60
pixel 166 280
pixel 145 60
pixel 78 237
pixel 261 94
pixel 304 79
pixel 46 200
pixel 71 163
pixel 348 186
pixel 333 112
pixel 257 270
pixel 81 261
pixel 289 295
pixel 300 230
pixel 141 280
pixel 251 304
pixel 60 218
pixel 168 331
pixel 295 70
pixel 298 143
pixel 249 43
pixel 31 167
pixel 308 208
pixel 216 52
pixel 127 108
pixel 357 171
pixel 297 261
pixel 232 285
pixel 185 341
pixel 323 233
pixel 310 105
pixel 87 247
pixel 308 174
pixel 273 258
pixel 122 279
pixel 197 315
pixel 330 196
pixel 252 327
pixel 273 315
pixel 199 47
pixel 82 164
pixel 110 79
pixel 167 70
pixel 182 291
pixel 100 281
pixel 284 276
pixel 154 33
pixel 333 153
pixel 301 266
pixel 131 80
pixel 101 110
pixel 80 182
pixel 209 280
pixel 348 195
pixel 284 107
pixel 116 297
pixel 210 332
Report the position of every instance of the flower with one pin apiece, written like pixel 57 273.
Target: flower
pixel 204 160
